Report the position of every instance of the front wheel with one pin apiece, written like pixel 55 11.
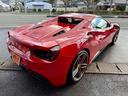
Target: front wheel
pixel 78 67
pixel 115 37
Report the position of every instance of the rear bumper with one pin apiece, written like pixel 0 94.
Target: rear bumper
pixel 55 71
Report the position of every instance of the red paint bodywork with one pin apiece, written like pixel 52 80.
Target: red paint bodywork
pixel 24 39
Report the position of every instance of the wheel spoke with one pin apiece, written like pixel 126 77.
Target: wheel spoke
pixel 83 66
pixel 78 61
pixel 75 72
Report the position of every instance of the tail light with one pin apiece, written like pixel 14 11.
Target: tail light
pixel 49 55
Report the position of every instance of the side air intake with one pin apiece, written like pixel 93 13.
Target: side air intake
pixel 36 27
pixel 59 33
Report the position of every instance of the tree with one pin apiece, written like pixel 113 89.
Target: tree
pixel 91 2
pixel 66 2
pixel 94 2
pixel 87 3
pixel 52 1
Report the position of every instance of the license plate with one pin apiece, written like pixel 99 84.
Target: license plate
pixel 16 58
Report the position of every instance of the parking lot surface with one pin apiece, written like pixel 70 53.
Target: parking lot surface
pixel 17 83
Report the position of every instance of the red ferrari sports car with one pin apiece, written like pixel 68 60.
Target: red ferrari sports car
pixel 60 49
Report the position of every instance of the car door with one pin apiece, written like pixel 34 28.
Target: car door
pixel 104 30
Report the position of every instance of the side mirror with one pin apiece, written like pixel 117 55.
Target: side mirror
pixel 91 34
pixel 115 25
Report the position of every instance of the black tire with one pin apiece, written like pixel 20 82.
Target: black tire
pixel 115 37
pixel 82 66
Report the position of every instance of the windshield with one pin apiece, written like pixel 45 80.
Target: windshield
pixel 99 23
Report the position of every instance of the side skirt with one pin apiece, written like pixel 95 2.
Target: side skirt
pixel 97 54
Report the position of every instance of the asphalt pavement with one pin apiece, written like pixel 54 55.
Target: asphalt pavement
pixel 13 20
pixel 24 84
pixel 21 83
pixel 3 48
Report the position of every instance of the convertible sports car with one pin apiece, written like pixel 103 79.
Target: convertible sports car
pixel 60 49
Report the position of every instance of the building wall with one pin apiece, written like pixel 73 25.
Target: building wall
pixel 11 1
pixel 119 1
pixel 115 1
pixel 5 1
pixel 34 0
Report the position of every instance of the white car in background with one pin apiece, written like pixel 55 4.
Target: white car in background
pixel 4 7
pixel 38 6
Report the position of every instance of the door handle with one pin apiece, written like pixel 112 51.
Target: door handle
pixel 100 38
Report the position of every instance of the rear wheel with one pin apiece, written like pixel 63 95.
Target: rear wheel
pixel 78 67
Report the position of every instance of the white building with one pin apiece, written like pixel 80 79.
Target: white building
pixel 11 1
pixel 59 3
pixel 38 6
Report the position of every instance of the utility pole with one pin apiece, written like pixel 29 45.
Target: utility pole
pixel 126 9
pixel 126 2
pixel 111 2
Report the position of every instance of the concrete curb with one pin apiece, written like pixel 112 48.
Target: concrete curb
pixel 105 68
pixel 10 69
pixel 94 68
pixel 8 65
